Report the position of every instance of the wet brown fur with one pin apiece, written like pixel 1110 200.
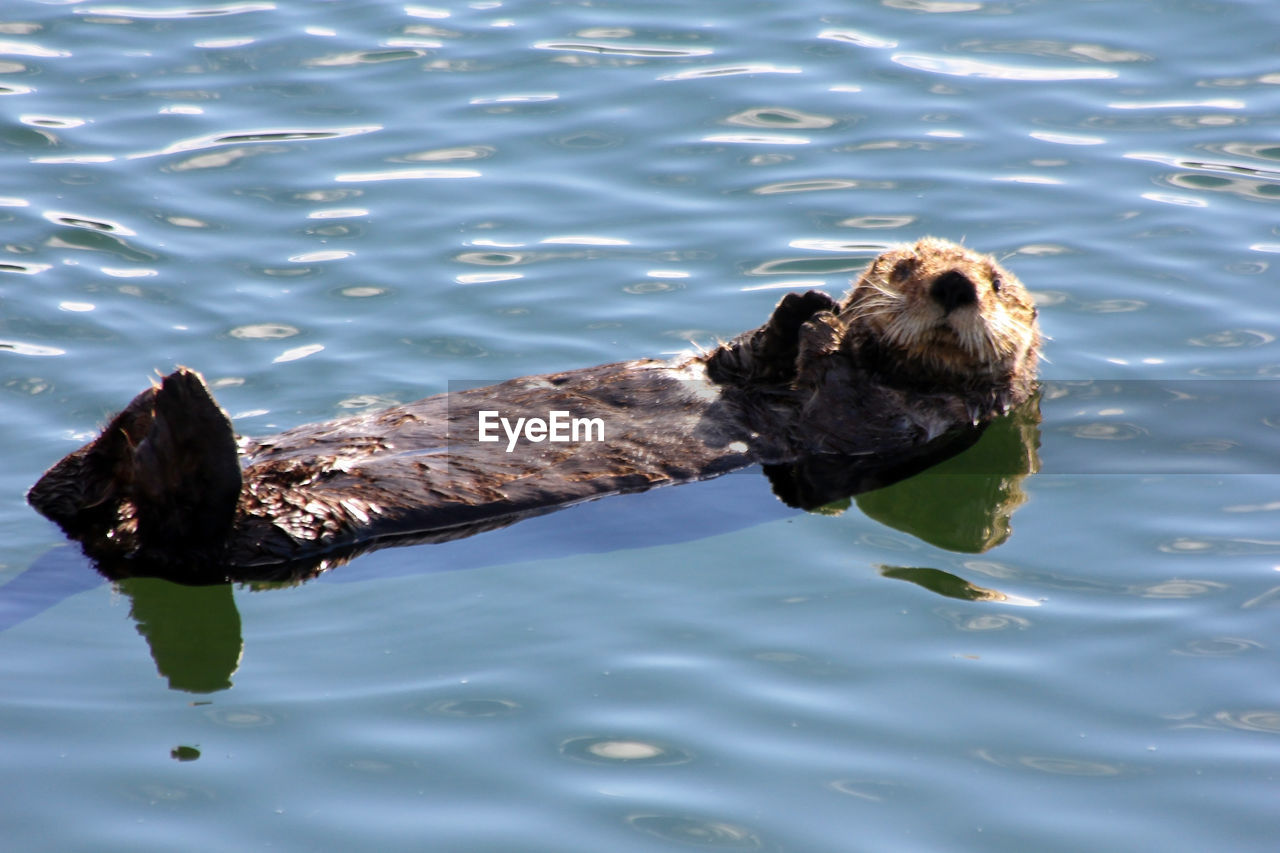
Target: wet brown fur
pixel 933 339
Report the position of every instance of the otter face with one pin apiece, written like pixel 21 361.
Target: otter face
pixel 945 308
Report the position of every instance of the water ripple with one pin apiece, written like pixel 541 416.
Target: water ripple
pixel 297 353
pixel 1219 546
pixel 242 137
pixel 585 240
pixel 23 48
pixel 821 185
pixel 1233 338
pixel 647 51
pixel 757 139
pixel 858 247
pixel 1054 764
pixel 1218 647
pixel 779 117
pixel 56 122
pixel 733 70
pixel 439 155
pixel 23 269
pixel 474 708
pixel 695 831
pixel 807 266
pixel 323 255
pixel 338 213
pixel 630 751
pixel 1212 104
pixel 965 621
pixel 856 38
pixel 406 175
pixel 1271 175
pixel 73 221
pixel 241 718
pixel 895 221
pixel 874 790
pixel 1066 138
pixel 264 331
pixel 20 348
pixel 365 57
pixel 531 98
pixel 487 278
pixel 942 7
pixel 428 12
pixel 498 259
pixel 1062 50
pixel 960 67
pixel 1180 588
pixel 1247 181
pixel 1266 721
pixel 209 11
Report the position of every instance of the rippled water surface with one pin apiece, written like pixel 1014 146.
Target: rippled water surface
pixel 330 206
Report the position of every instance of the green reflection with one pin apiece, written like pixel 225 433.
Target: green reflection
pixel 965 503
pixel 193 631
pixel 943 583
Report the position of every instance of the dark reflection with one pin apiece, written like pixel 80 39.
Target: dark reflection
pixel 965 502
pixel 943 583
pixel 193 631
pixel 958 495
pixel 184 753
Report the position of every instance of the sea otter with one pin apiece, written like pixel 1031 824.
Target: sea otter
pixel 933 340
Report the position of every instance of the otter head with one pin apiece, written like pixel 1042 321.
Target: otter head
pixel 935 310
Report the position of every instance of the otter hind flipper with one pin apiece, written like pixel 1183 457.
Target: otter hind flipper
pixel 186 476
pixel 88 482
pixel 162 478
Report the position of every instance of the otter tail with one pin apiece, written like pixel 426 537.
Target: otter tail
pixel 163 478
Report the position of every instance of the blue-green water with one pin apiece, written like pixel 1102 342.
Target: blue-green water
pixel 327 206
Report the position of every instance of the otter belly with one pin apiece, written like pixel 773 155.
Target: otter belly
pixel 168 480
pixel 507 450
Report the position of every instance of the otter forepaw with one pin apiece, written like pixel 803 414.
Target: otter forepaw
pixel 793 311
pixel 819 339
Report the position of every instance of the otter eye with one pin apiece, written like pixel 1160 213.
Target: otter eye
pixel 995 282
pixel 903 268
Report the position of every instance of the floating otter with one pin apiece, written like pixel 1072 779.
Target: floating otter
pixel 932 342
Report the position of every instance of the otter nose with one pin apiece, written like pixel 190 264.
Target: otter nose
pixel 953 290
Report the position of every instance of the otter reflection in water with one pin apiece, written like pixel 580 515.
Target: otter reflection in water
pixel 964 503
pixel 933 341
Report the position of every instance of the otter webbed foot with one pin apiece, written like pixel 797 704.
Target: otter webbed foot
pixel 89 482
pixel 163 477
pixel 186 475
